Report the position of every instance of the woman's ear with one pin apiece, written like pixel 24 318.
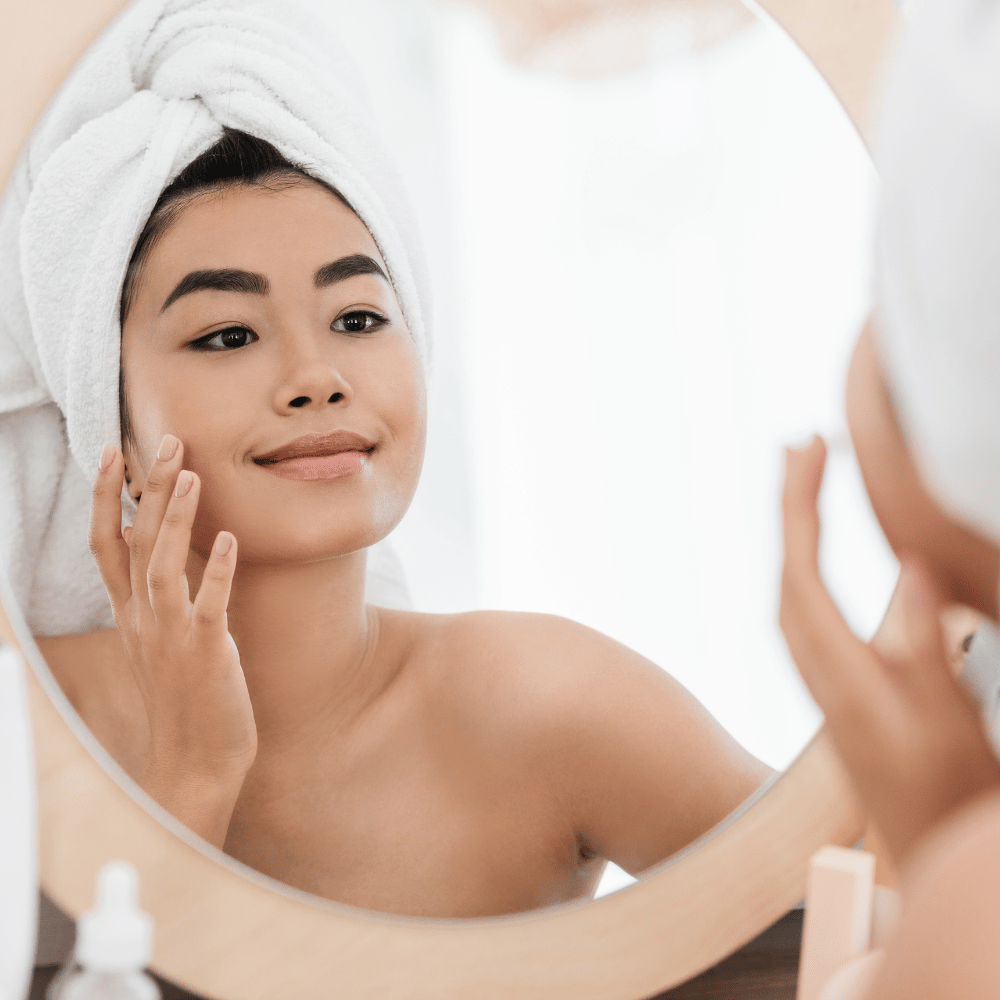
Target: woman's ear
pixel 965 564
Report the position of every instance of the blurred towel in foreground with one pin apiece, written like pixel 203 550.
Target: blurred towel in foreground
pixel 939 250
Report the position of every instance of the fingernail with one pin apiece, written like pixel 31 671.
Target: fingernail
pixel 223 543
pixel 107 456
pixel 804 445
pixel 184 483
pixel 168 448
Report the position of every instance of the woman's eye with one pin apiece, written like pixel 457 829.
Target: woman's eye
pixel 226 340
pixel 358 322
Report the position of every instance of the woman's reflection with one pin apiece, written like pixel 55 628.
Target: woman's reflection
pixel 273 412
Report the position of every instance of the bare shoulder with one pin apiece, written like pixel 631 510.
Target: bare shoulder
pixel 527 663
pixel 551 680
pixel 944 946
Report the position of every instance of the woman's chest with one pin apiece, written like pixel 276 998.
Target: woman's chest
pixel 412 832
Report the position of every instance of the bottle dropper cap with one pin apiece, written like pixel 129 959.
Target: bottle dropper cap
pixel 115 936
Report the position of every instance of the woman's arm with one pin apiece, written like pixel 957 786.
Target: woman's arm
pixel 639 765
pixel 656 769
pixel 201 735
pixel 93 671
pixel 95 674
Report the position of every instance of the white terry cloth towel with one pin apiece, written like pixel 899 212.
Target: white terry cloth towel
pixel 938 249
pixel 151 94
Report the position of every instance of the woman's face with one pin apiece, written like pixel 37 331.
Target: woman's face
pixel 264 334
pixel 964 564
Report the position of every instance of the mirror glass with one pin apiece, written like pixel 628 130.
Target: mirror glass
pixel 648 230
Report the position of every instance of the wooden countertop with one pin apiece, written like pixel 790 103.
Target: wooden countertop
pixel 764 969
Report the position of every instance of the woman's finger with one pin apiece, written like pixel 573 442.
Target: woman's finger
pixel 105 531
pixel 213 595
pixel 841 672
pixel 166 574
pixel 156 493
pixel 799 499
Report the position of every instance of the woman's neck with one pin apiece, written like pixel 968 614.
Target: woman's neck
pixel 307 646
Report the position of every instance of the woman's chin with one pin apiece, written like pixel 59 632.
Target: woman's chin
pixel 290 534
pixel 304 549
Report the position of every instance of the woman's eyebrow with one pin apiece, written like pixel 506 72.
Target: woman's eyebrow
pixel 228 279
pixel 347 267
pixel 224 279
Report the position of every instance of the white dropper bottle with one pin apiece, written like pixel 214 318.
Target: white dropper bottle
pixel 114 942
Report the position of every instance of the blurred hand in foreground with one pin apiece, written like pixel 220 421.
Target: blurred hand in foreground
pixel 908 733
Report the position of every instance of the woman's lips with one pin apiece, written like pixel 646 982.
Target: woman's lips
pixel 318 456
pixel 344 463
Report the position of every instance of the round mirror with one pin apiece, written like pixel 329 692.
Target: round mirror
pixel 650 272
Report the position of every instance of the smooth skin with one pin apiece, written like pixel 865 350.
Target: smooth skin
pixel 909 735
pixel 436 765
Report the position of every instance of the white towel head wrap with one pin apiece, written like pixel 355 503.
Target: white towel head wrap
pixel 939 249
pixel 152 94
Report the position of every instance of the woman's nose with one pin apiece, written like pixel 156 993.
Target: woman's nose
pixel 311 379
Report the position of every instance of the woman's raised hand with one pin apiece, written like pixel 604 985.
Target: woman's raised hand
pixel 907 732
pixel 203 738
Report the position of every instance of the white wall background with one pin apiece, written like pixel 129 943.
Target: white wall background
pixel 647 285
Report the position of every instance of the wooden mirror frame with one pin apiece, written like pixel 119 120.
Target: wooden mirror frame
pixel 231 934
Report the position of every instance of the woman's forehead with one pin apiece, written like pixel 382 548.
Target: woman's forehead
pixel 288 231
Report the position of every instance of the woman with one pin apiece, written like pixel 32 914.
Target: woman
pixel 273 415
pixel 922 405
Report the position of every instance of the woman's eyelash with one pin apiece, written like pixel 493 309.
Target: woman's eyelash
pixel 358 321
pixel 230 339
